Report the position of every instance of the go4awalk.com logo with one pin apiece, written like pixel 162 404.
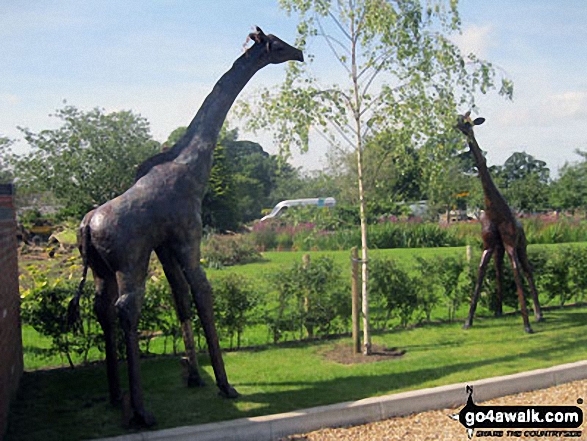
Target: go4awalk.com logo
pixel 520 421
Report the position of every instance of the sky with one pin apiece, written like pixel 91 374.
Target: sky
pixel 160 58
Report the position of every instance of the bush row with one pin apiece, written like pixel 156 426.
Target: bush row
pixel 283 235
pixel 308 299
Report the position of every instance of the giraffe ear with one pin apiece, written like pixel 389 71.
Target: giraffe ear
pixel 478 121
pixel 258 36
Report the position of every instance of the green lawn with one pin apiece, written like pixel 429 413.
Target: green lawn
pixel 66 404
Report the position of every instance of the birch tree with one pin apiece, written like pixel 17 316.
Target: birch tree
pixel 393 67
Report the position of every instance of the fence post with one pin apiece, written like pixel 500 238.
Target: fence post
pixel 355 296
pixel 307 301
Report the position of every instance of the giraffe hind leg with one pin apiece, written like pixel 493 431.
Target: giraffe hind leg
pixel 202 295
pixel 525 263
pixel 183 307
pixel 106 294
pixel 131 290
pixel 498 261
pixel 513 255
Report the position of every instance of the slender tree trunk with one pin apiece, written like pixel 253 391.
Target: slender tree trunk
pixel 364 249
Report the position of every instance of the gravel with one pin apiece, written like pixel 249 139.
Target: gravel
pixel 436 425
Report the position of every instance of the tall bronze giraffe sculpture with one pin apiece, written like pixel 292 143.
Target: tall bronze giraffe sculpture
pixel 501 233
pixel 161 212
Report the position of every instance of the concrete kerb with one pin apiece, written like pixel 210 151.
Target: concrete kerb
pixel 272 427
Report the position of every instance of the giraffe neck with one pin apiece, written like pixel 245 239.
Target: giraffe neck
pixel 493 198
pixel 201 135
pixel 196 146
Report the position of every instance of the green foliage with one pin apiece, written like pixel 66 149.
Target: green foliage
pixel 313 233
pixel 5 172
pixel 158 313
pixel 524 180
pixel 330 234
pixel 555 276
pixel 232 249
pixel 44 307
pixel 242 178
pixel 569 192
pixel 235 298
pixel 310 296
pixel 578 272
pixel 453 292
pixel 219 208
pixel 401 46
pixel 428 290
pixel 394 289
pixel 87 161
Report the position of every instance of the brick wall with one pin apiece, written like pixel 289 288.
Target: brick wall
pixel 11 364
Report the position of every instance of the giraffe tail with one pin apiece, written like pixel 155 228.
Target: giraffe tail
pixel 73 309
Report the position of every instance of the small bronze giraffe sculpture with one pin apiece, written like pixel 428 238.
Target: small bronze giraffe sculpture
pixel 501 233
pixel 161 212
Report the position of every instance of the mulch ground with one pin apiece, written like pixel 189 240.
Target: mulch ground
pixel 343 353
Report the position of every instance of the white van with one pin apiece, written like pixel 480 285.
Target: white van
pixel 283 206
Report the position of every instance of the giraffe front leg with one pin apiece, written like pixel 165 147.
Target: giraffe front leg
pixel 202 293
pixel 485 258
pixel 128 307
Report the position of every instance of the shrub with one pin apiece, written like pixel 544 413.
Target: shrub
pixel 224 250
pixel 234 299
pixel 158 313
pixel 554 278
pixel 44 307
pixel 312 295
pixel 396 288
pixel 428 290
pixel 578 272
pixel 446 277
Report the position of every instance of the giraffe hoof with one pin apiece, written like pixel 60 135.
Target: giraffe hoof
pixel 195 381
pixel 143 419
pixel 228 391
pixel 539 319
pixel 116 400
pixel 467 325
pixel 528 330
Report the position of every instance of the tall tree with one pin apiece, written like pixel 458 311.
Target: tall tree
pixel 5 173
pixel 88 160
pixel 525 181
pixel 569 191
pixel 398 72
pixel 242 180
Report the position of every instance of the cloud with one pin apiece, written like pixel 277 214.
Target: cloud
pixel 9 99
pixel 567 105
pixel 475 39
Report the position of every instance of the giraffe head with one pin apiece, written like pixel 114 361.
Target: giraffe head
pixel 272 49
pixel 465 124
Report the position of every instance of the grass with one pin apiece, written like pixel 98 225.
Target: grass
pixel 65 404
